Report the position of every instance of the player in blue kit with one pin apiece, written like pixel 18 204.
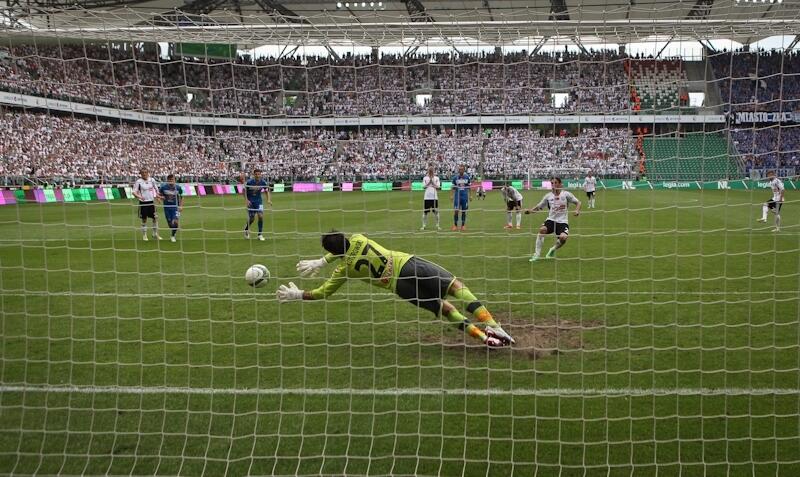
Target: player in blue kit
pixel 255 205
pixel 462 193
pixel 172 197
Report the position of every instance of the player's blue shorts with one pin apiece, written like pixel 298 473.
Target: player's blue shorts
pixel 255 208
pixel 461 202
pixel 171 213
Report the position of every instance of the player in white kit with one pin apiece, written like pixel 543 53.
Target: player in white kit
pixel 589 186
pixel 557 202
pixel 146 190
pixel 775 203
pixel 431 184
pixel 513 200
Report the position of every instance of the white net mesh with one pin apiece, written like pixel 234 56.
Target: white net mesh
pixel 662 338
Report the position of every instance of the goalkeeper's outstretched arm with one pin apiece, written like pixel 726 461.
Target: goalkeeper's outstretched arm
pixel 291 292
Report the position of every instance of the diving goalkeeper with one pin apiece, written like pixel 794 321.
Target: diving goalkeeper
pixel 418 281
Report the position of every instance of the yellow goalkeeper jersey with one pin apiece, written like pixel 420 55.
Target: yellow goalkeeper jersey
pixel 365 260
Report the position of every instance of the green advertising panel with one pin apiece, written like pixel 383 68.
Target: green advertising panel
pixel 416 185
pixel 516 184
pixel 327 187
pixel 278 187
pixel 200 50
pixel 68 197
pixel 49 195
pixel 447 185
pixel 115 192
pixel 19 194
pixel 376 186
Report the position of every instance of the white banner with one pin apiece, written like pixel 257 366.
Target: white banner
pixel 81 108
pixel 767 117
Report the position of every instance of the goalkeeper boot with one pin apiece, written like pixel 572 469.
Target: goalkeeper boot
pixel 762 220
pixel 247 233
pixel 499 333
pixel 261 237
pixel 551 253
pixel 454 228
pixel 508 226
pixel 535 258
pixel 493 342
pixel 144 237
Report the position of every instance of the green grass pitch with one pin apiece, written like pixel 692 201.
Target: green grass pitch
pixel 685 293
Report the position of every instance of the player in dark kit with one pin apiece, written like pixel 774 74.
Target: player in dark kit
pixel 255 205
pixel 172 197
pixel 462 193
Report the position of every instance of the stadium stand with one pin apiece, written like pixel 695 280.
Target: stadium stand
pixel 84 150
pixel 698 156
pixel 465 84
pixel 759 80
pixel 657 86
pixel 768 148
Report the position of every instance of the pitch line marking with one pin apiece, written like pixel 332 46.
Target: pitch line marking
pixel 395 392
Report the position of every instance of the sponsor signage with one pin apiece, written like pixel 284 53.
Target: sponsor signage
pixel 90 109
pixel 767 117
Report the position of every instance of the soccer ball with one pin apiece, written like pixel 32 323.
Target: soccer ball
pixel 257 276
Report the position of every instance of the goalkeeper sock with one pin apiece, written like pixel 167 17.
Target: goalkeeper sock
pixel 539 243
pixel 463 219
pixel 558 244
pixel 455 219
pixel 519 218
pixel 764 210
pixel 424 219
pixel 144 228
pixel 475 307
pixel 155 229
pixel 508 218
pixel 260 226
pixel 437 218
pixel 463 324
pixel 777 221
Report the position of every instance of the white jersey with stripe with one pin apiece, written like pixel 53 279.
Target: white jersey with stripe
pixel 777 189
pixel 511 193
pixel 147 189
pixel 431 184
pixel 558 205
pixel 589 184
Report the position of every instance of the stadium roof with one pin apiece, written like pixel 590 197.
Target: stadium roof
pixel 495 22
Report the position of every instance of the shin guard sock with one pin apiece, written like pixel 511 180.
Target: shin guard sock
pixel 463 323
pixel 539 243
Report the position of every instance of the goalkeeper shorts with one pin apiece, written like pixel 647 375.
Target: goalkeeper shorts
pixel 424 284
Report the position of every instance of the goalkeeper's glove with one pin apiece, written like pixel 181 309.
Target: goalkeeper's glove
pixel 309 268
pixel 289 293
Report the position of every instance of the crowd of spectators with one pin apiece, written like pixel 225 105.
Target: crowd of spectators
pixel 438 84
pixel 769 148
pixel 758 80
pixel 50 147
pixel 499 153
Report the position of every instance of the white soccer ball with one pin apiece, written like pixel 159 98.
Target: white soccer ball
pixel 257 276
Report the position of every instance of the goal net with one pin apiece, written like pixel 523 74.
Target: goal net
pixel 655 332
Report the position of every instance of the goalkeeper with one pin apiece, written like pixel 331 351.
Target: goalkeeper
pixel 418 281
